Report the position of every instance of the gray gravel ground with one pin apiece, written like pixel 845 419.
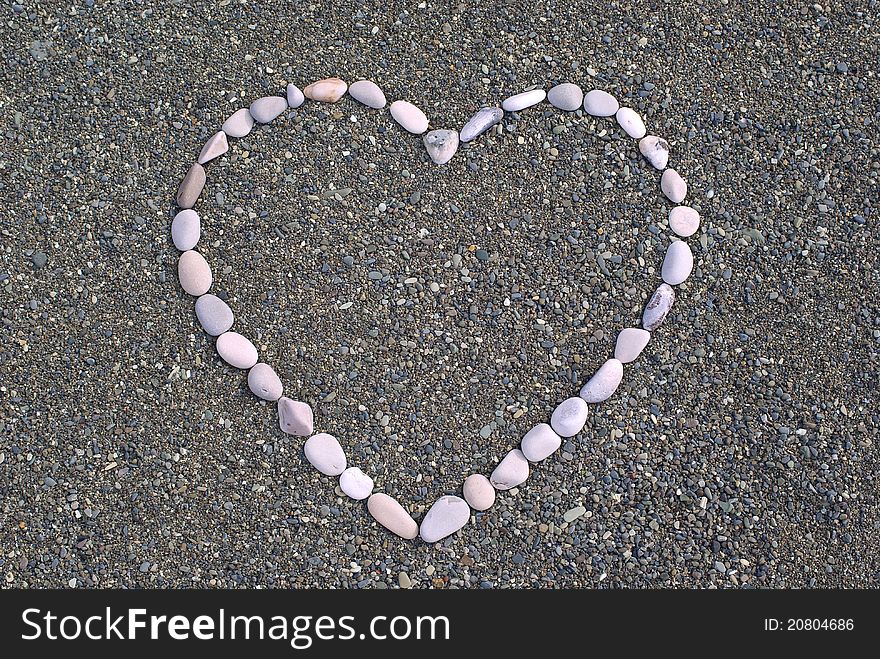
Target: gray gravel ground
pixel 741 449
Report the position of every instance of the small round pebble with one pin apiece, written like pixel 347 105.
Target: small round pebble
pixel 194 273
pixel 478 124
pixel 566 96
pixel 328 90
pixel 368 93
pixel 191 186
pixel 658 307
pixel 239 124
pixel 540 442
pixel 524 100
pixel 325 454
pixel 678 264
pixel 186 229
pixel 264 382
pixel 600 103
pixel 684 221
pixel 631 122
pixel 630 343
pixel 295 97
pixel 441 145
pixel 392 516
pixel 214 314
pixel 356 484
pixel 604 382
pixel 569 417
pixel 673 186
pixel 512 471
pixel 655 150
pixel 445 517
pixel 410 117
pixel 236 350
pixel 295 417
pixel 266 109
pixel 478 492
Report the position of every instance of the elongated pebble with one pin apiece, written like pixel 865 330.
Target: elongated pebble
pixel 236 350
pixel 684 221
pixel 630 343
pixel 264 382
pixel 328 90
pixel 194 273
pixel 678 263
pixel 631 122
pixel 239 124
pixel 216 146
pixel 478 492
pixel 441 145
pixel 483 120
pixel 186 229
pixel 604 382
pixel 191 186
pixel 295 417
pixel 658 307
pixel 524 100
pixel 325 454
pixel 513 470
pixel 445 517
pixel 392 516
pixel 409 116
pixel 569 417
pixel 673 186
pixel 214 314
pixel 295 97
pixel 600 103
pixel 566 96
pixel 266 109
pixel 368 93
pixel 355 483
pixel 655 150
pixel 540 442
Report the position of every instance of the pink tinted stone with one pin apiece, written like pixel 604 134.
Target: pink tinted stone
pixel 328 90
pixel 513 470
pixel 684 221
pixel 604 383
pixel 478 492
pixel 355 483
pixel 264 382
pixel 295 417
pixel 445 517
pixel 630 343
pixel 194 273
pixel 236 350
pixel 186 229
pixel 191 186
pixel 266 109
pixel 392 516
pixel 673 186
pixel 409 116
pixel 239 124
pixel 214 147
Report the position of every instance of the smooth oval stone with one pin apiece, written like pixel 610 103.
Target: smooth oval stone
pixel 295 417
pixel 368 93
pixel 524 100
pixel 392 516
pixel 239 123
pixel 600 103
pixel 513 470
pixel 355 483
pixel 214 314
pixel 264 382
pixel 295 97
pixel 604 382
pixel 409 116
pixel 656 151
pixel 658 307
pixel 566 96
pixel 630 343
pixel 214 147
pixel 186 229
pixel 569 417
pixel 191 186
pixel 325 454
pixel 673 186
pixel 540 442
pixel 236 350
pixel 631 122
pixel 482 121
pixel 441 145
pixel 265 109
pixel 445 517
pixel 478 492
pixel 684 221
pixel 328 90
pixel 678 264
pixel 194 273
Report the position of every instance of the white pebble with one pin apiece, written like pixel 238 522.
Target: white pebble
pixel 512 471
pixel 239 124
pixel 409 116
pixel 604 383
pixel 684 221
pixel 600 103
pixel 268 108
pixel 236 350
pixel 264 382
pixel 478 492
pixel 392 516
pixel 325 454
pixel 673 186
pixel 186 229
pixel 368 93
pixel 295 97
pixel 658 307
pixel 194 273
pixel 355 483
pixel 631 122
pixel 216 146
pixel 655 150
pixel 540 442
pixel 445 517
pixel 569 417
pixel 678 264
pixel 522 101
pixel 630 343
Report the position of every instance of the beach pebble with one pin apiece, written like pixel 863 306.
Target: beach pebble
pixel 325 454
pixel 295 97
pixel 604 382
pixel 482 121
pixel 441 145
pixel 630 343
pixel 540 442
pixel 673 186
pixel 600 103
pixel 684 221
pixel 478 492
pixel 191 186
pixel 265 109
pixel 445 517
pixel 658 307
pixel 214 314
pixel 194 273
pixel 513 470
pixel 355 483
pixel 264 382
pixel 524 100
pixel 295 417
pixel 186 229
pixel 631 122
pixel 678 264
pixel 569 417
pixel 566 96
pixel 236 350
pixel 392 516
pixel 239 123
pixel 409 116
pixel 368 93
pixel 328 90
pixel 655 150
pixel 216 146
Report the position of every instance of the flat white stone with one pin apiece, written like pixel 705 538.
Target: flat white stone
pixel 194 273
pixel 524 100
pixel 655 150
pixel 441 145
pixel 392 516
pixel 409 116
pixel 678 264
pixel 684 221
pixel 191 186
pixel 478 124
pixel 216 146
pixel 600 103
pixel 186 229
pixel 295 97
pixel 266 109
pixel 236 350
pixel 239 124
pixel 673 186
pixel 566 96
pixel 355 483
pixel 328 90
pixel 478 492
pixel 631 122
pixel 630 343
pixel 325 454
pixel 604 382
pixel 295 417
pixel 540 442
pixel 445 517
pixel 512 471
pixel 368 93
pixel 214 314
pixel 569 417
pixel 658 307
pixel 264 382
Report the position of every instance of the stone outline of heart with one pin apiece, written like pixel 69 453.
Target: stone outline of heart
pixel 449 513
